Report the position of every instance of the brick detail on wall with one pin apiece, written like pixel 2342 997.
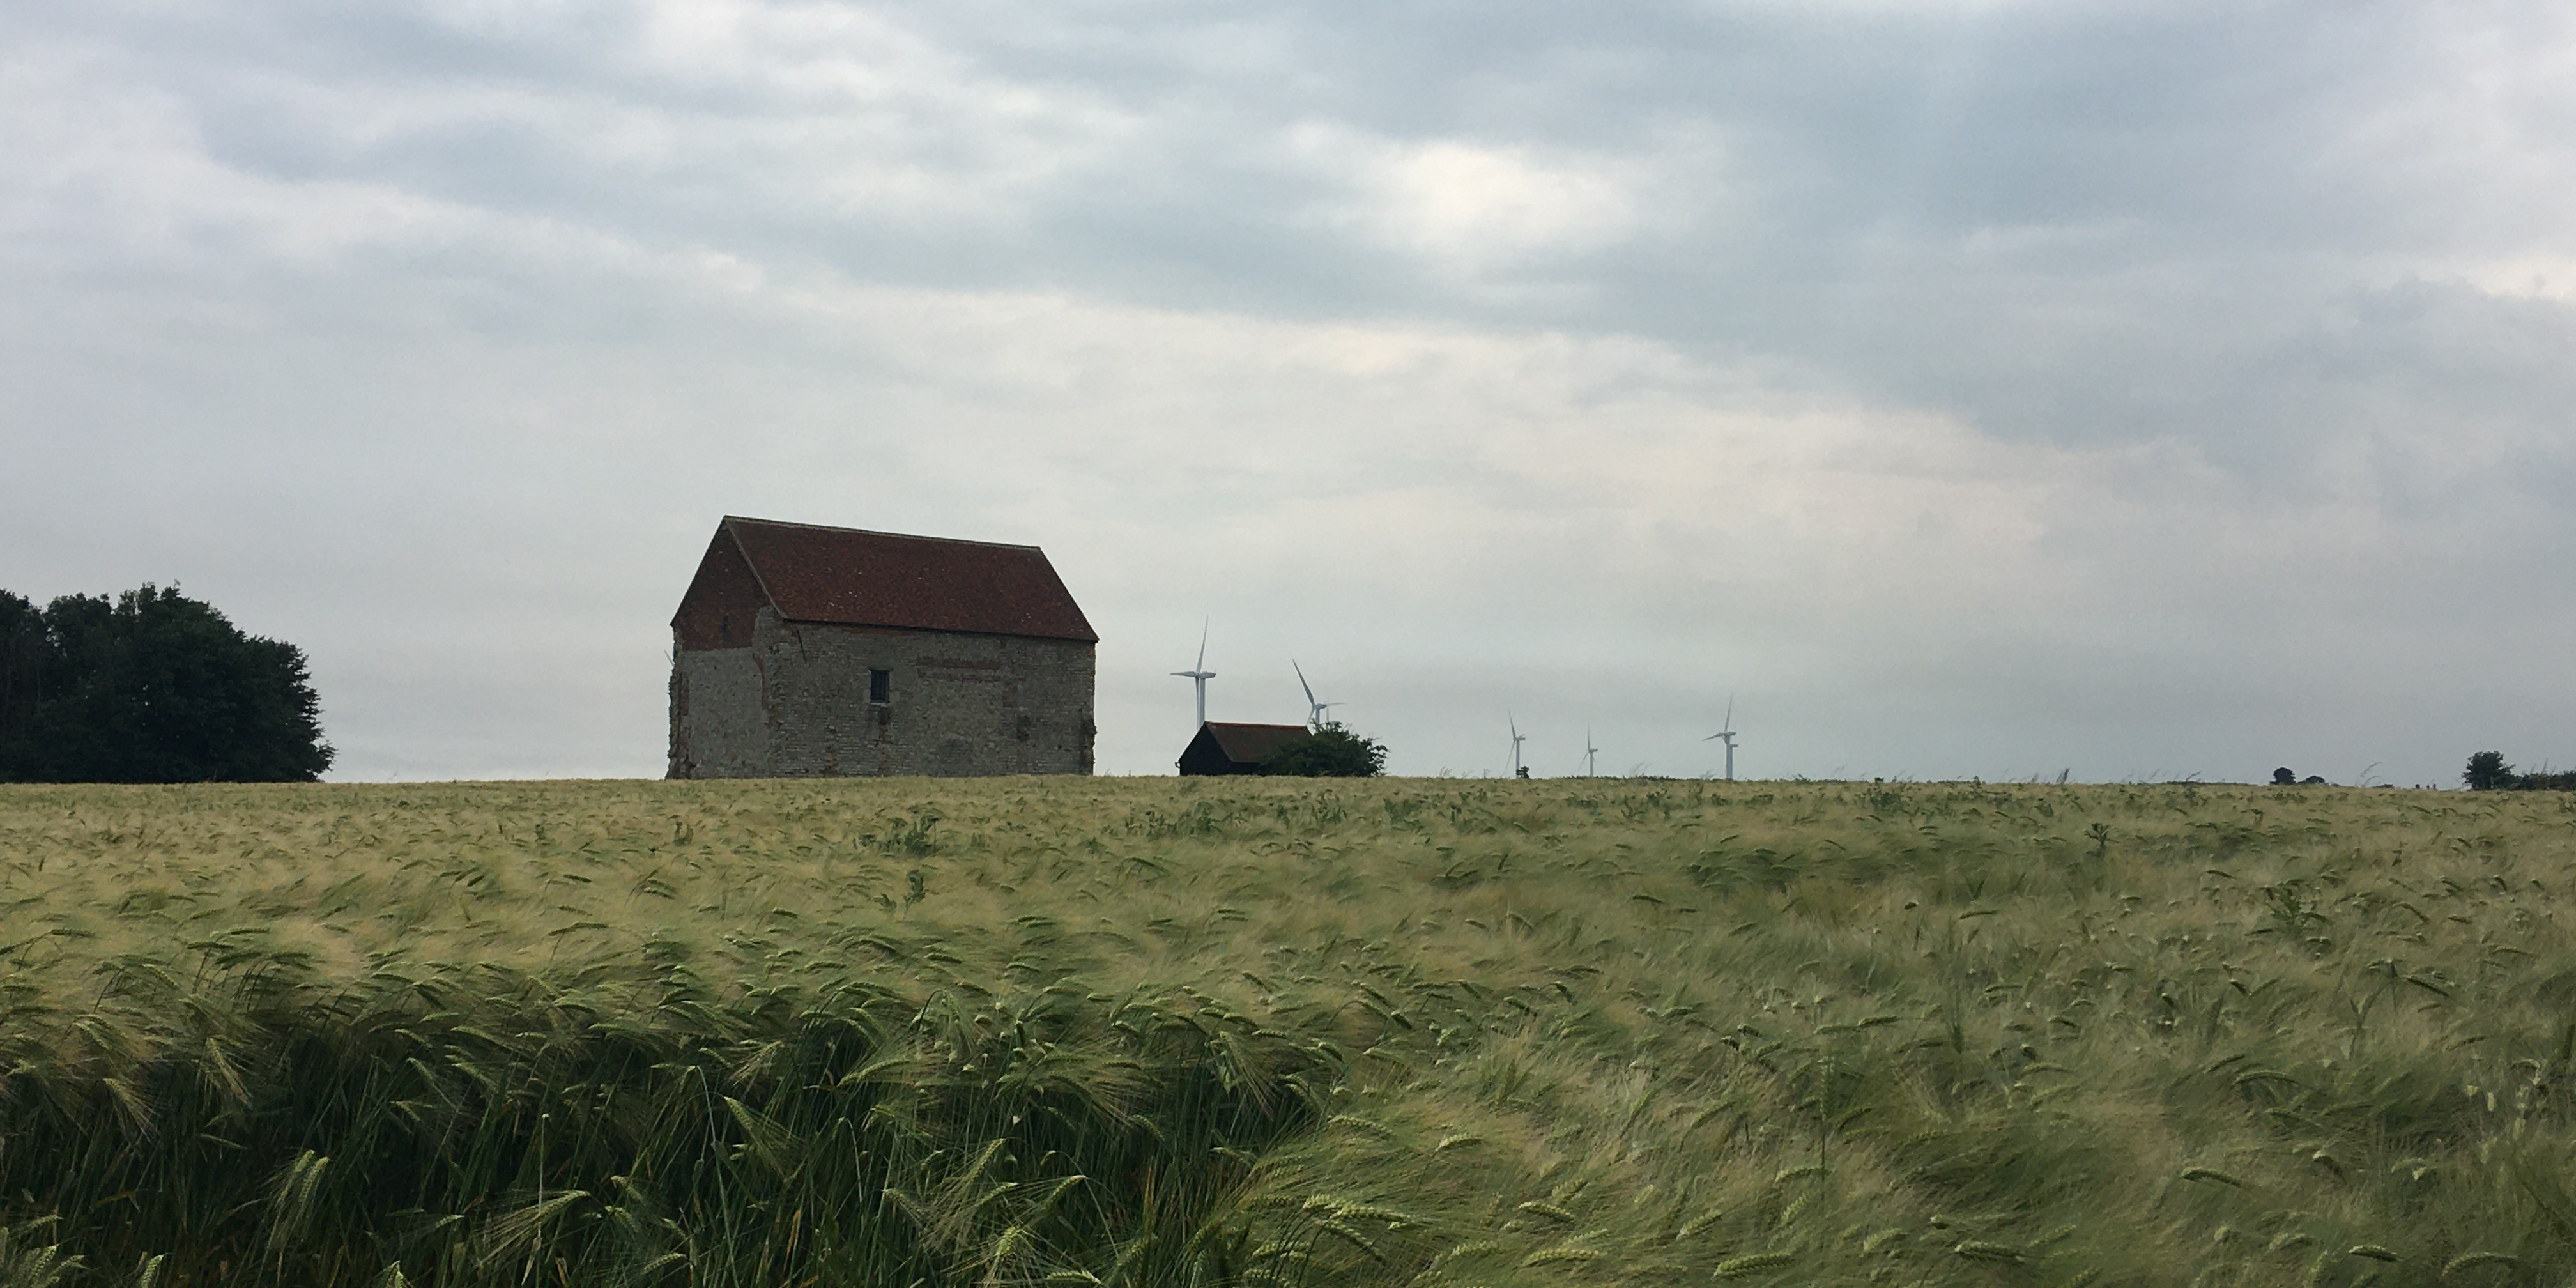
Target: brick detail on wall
pixel 793 702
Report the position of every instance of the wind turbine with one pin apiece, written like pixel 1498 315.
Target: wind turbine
pixel 1200 673
pixel 1518 771
pixel 1314 709
pixel 1590 752
pixel 1728 734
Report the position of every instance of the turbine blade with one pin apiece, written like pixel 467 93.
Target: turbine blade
pixel 1201 664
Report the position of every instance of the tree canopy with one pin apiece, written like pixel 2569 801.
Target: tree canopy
pixel 1332 751
pixel 2488 772
pixel 150 687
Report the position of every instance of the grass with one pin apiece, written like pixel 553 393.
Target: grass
pixel 1163 1034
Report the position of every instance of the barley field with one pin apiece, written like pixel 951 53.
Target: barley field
pixel 1194 1034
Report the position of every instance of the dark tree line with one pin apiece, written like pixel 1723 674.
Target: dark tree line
pixel 2488 772
pixel 150 687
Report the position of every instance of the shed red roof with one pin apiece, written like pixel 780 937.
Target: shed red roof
pixel 848 577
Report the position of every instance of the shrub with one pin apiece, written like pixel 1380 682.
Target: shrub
pixel 2487 772
pixel 1332 752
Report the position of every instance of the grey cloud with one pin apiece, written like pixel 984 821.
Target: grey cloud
pixel 2159 415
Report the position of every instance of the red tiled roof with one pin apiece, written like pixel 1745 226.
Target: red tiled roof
pixel 1251 743
pixel 852 578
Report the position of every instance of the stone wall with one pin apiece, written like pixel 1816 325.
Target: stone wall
pixel 794 703
pixel 718 729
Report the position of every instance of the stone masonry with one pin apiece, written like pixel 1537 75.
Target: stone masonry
pixel 795 703
pixel 758 694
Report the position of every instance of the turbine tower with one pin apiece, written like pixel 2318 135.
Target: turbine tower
pixel 1314 709
pixel 1727 733
pixel 1200 672
pixel 1518 770
pixel 1591 754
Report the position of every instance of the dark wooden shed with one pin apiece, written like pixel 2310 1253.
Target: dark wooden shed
pixel 1236 748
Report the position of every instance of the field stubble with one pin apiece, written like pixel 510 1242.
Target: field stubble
pixel 1159 1034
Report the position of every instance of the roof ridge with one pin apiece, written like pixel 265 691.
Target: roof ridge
pixel 874 532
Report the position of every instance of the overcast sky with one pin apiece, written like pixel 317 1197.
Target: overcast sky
pixel 2134 389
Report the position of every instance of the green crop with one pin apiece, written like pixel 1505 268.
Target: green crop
pixel 1198 1034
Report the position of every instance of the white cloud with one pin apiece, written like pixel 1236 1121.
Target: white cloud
pixel 1480 206
pixel 1471 208
pixel 2527 276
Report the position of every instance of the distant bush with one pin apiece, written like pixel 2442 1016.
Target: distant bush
pixel 2488 772
pixel 150 687
pixel 1332 752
